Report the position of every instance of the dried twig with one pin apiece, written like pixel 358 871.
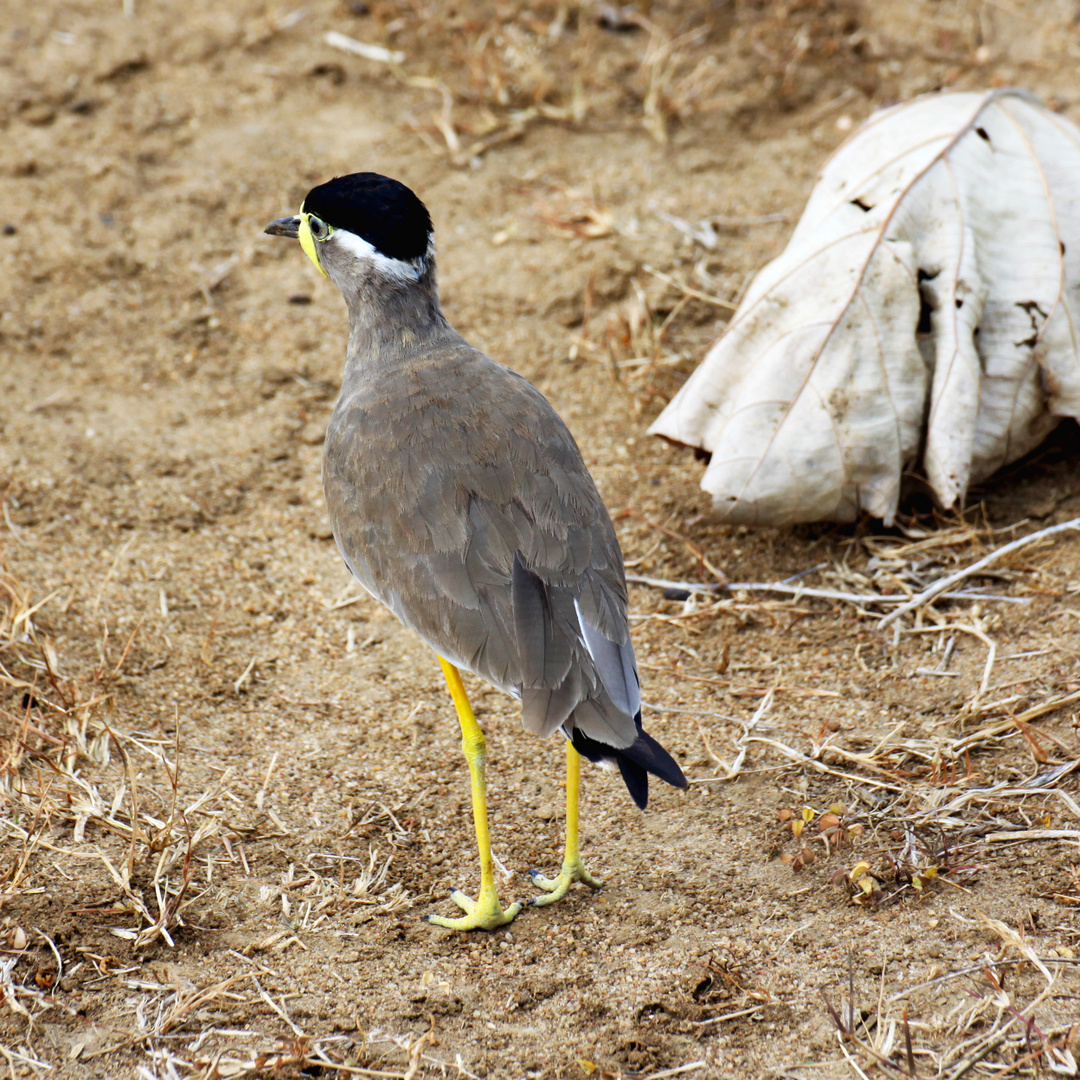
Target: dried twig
pixel 686 290
pixel 379 53
pixel 798 592
pixel 943 585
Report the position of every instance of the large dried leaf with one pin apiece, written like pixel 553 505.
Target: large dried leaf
pixel 925 314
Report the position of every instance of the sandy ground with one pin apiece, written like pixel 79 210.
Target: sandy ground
pixel 232 785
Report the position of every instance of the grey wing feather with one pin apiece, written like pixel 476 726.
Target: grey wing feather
pixel 615 664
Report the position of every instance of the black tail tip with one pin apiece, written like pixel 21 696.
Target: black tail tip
pixel 644 756
pixel 636 780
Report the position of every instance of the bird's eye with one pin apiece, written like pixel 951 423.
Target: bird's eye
pixel 319 229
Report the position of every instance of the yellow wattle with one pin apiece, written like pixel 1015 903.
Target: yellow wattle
pixel 307 242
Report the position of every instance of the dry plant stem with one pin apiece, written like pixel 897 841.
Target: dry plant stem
pixel 13 1056
pixel 842 1038
pixel 681 1070
pixel 988 667
pixel 690 546
pixel 1026 835
pixel 96 605
pixel 961 973
pixel 729 1016
pixel 735 767
pixel 944 584
pixel 795 755
pixel 687 291
pixel 127 647
pixel 1011 723
pixel 797 592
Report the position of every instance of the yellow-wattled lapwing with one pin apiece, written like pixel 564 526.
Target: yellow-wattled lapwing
pixel 460 500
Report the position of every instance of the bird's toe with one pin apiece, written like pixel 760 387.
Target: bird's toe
pixel 557 887
pixel 483 914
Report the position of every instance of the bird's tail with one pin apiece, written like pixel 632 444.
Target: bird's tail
pixel 643 756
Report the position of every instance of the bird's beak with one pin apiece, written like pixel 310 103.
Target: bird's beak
pixel 284 226
pixel 298 229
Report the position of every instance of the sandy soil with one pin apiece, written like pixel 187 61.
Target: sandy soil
pixel 232 785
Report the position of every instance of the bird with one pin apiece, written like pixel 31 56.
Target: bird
pixel 459 499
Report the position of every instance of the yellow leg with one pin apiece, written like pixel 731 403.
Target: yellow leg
pixel 573 869
pixel 485 912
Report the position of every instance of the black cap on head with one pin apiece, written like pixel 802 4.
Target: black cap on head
pixel 382 211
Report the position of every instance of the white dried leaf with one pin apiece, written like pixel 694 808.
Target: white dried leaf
pixel 823 390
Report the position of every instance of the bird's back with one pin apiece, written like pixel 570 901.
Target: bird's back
pixel 459 498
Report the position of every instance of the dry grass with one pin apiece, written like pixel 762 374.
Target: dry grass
pixel 913 816
pixel 990 1031
pixel 149 855
pixel 82 799
pixel 505 67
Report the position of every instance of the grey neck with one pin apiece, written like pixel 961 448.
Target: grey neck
pixel 389 317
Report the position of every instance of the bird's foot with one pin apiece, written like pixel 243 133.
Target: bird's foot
pixel 486 913
pixel 556 888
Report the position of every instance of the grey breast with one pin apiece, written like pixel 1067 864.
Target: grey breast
pixel 459 498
